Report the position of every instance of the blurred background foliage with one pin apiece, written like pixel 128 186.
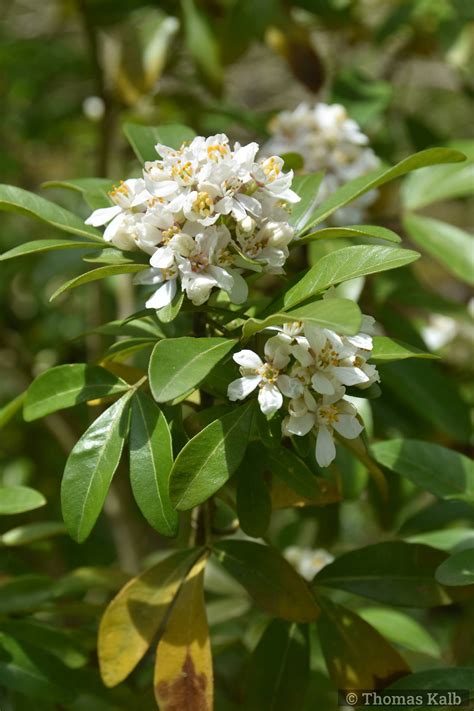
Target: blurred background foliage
pixel 71 72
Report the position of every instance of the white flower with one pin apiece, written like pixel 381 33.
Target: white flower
pixel 124 216
pixel 328 140
pixel 267 377
pixel 203 212
pixel 307 561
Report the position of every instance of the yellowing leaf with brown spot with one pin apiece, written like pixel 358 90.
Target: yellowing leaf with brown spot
pixel 183 668
pixel 135 615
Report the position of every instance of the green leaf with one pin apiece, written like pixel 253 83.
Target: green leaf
pixel 268 578
pixel 68 385
pixel 254 505
pixel 278 672
pixel 8 411
pixel 390 349
pixel 210 458
pixel 446 538
pixel 343 264
pixel 33 673
pixel 444 472
pixel 359 186
pixel 179 364
pixel 169 312
pixel 438 183
pixel 351 231
pixel 18 499
pixel 151 459
pixel 449 245
pixel 425 389
pixel 393 572
pixel 307 187
pixel 95 191
pixel 24 593
pixel 293 471
pixel 357 656
pixel 59 643
pixel 32 533
pixel 202 43
pixel 110 255
pixel 401 629
pixel 143 139
pixel 46 245
pixel 90 468
pixel 340 315
pixel 134 616
pixel 100 273
pixel 18 200
pixel 458 569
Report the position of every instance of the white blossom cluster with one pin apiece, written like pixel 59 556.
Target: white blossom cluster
pixel 305 370
pixel 204 213
pixel 328 140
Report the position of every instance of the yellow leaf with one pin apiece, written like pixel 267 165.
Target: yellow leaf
pixel 127 372
pixel 134 616
pixel 183 669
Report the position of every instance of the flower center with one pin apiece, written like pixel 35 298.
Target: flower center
pixel 268 373
pixel 272 169
pixel 203 204
pixel 218 150
pixel 120 189
pixel 329 414
pixel 327 356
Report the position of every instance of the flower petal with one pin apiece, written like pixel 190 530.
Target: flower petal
pixel 248 359
pixel 270 399
pixel 301 425
pixel 325 447
pixel 103 215
pixel 290 387
pixel 348 426
pixel 240 388
pixel 162 296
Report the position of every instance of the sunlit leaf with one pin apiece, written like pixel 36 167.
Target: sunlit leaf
pixel 8 411
pixel 40 246
pixel 151 459
pixel 359 186
pixel 401 629
pixel 100 273
pixel 90 468
pixel 341 265
pixel 134 616
pixel 351 231
pixel 179 364
pixel 68 385
pixel 210 458
pixel 183 665
pixel 307 187
pixel 18 499
pixel 458 569
pixel 390 349
pixel 430 466
pixel 32 533
pixel 340 315
pixel 18 200
pixel 448 244
pixel 143 139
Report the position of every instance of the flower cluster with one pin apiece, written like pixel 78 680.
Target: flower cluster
pixel 204 213
pixel 328 140
pixel 306 369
